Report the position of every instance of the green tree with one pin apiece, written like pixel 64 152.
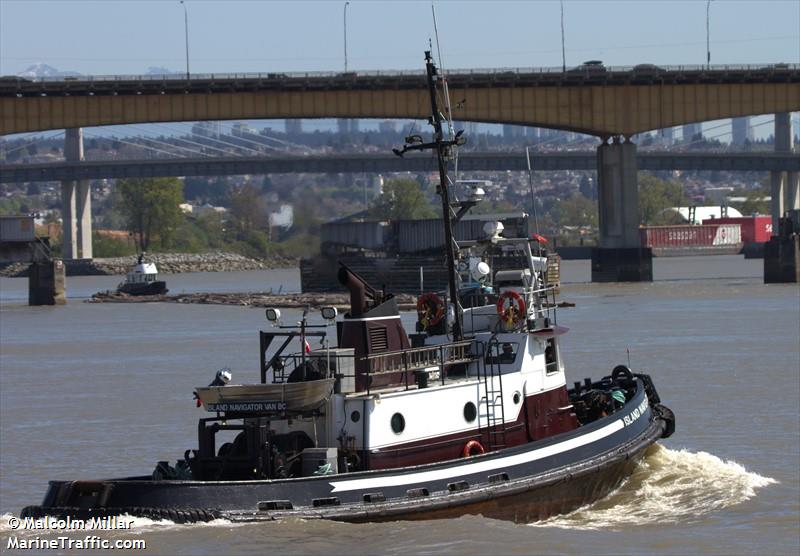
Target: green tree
pixel 402 199
pixel 151 208
pixel 248 210
pixel 104 245
pixel 305 216
pixel 755 203
pixel 576 211
pixel 655 195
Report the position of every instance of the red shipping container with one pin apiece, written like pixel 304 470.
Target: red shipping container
pixel 714 235
pixel 756 229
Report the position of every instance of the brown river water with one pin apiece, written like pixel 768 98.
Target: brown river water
pixel 104 390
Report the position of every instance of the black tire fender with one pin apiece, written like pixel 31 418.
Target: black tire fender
pixel 620 372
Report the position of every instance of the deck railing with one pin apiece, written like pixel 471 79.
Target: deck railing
pixel 417 359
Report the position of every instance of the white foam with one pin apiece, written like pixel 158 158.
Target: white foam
pixel 668 486
pixel 143 524
pixel 138 525
pixel 4 526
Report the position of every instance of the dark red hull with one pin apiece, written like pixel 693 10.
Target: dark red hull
pixel 533 423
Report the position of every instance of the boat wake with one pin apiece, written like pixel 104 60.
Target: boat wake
pixel 668 486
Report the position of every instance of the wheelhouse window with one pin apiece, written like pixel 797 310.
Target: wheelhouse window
pixel 502 353
pixel 551 356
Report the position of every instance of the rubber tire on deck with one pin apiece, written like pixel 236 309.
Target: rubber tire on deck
pixel 621 371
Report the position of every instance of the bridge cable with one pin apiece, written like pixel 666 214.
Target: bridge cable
pixel 224 152
pixel 227 143
pixel 170 154
pixel 281 142
pixel 305 149
pixel 204 146
pixel 211 139
pixel 190 134
pixel 35 140
pixel 724 133
pixel 202 152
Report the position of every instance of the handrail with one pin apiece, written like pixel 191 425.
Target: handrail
pixel 410 350
pixel 641 69
pixel 415 359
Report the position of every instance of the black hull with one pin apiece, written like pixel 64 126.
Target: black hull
pixel 153 288
pixel 522 484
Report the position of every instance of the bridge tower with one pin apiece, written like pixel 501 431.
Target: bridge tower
pixel 619 256
pixel 782 251
pixel 76 203
pixel 784 185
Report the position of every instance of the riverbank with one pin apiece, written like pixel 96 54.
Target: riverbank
pixel 406 302
pixel 167 263
pixel 341 301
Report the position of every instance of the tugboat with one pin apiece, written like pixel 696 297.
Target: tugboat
pixel 468 414
pixel 142 279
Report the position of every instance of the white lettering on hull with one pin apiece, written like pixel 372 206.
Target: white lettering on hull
pixel 636 413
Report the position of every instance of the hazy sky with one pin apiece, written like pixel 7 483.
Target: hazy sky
pixel 126 37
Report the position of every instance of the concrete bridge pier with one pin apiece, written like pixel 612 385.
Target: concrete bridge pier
pixel 76 203
pixel 620 256
pixel 782 251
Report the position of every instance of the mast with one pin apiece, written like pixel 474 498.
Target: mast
pixel 442 148
pixel 441 151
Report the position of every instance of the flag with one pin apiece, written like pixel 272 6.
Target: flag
pixel 307 346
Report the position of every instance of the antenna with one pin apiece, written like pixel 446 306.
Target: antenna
pixel 708 35
pixel 530 184
pixel 449 117
pixel 563 51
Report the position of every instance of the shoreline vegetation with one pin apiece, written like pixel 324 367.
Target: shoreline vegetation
pixel 167 263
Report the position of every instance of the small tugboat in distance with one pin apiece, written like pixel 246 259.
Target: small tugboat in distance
pixel 470 414
pixel 142 279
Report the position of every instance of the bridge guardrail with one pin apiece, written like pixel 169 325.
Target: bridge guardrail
pixel 277 75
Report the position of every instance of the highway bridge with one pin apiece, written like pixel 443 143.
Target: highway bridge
pixel 385 163
pixel 613 104
pixel 590 99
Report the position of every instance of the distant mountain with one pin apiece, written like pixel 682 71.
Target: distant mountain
pixel 43 70
pixel 156 70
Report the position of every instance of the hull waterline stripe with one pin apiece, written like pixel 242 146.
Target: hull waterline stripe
pixel 481 466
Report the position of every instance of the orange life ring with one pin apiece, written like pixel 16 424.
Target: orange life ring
pixel 430 310
pixel 511 309
pixel 470 446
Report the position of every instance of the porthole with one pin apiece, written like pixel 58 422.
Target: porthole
pixel 398 423
pixel 517 397
pixel 355 416
pixel 470 412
